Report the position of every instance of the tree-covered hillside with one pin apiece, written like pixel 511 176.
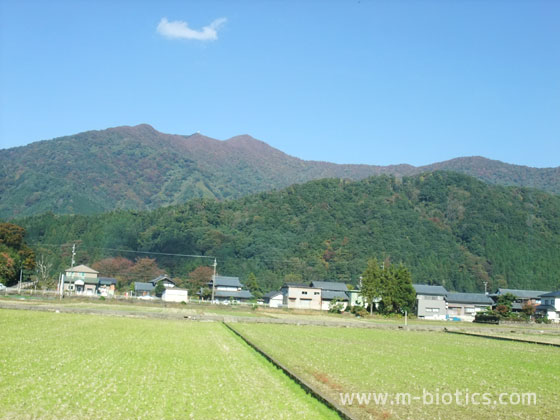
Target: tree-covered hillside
pixel 140 168
pixel 449 229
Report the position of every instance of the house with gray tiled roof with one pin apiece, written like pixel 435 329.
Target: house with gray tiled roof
pixel 464 306
pixel 274 299
pixel 331 291
pixel 148 288
pixel 229 289
pixel 522 297
pixel 550 306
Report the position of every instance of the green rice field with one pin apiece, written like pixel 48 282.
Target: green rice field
pixel 341 360
pixel 71 366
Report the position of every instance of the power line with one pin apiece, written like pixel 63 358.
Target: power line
pixel 127 250
pixel 289 261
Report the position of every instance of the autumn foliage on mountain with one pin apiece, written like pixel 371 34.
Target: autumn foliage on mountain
pixel 141 168
pixel 447 228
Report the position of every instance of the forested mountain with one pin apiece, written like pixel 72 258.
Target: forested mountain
pixel 449 228
pixel 141 168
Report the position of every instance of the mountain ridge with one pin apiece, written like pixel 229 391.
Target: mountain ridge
pixel 138 167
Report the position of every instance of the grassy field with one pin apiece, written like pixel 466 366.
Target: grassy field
pixel 158 307
pixel 387 361
pixel 95 367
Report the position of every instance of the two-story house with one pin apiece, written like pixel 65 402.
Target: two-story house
pixel 430 301
pixel 550 306
pixel 331 291
pixel 228 289
pixel 81 280
pixel 301 296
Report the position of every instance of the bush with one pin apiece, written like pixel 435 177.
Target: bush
pixel 542 320
pixel 101 297
pixel 336 307
pixel 359 311
pixel 487 318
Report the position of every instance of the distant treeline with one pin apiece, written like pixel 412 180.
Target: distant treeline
pixel 448 228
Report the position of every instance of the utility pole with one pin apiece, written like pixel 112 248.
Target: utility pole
pixel 73 255
pixel 60 285
pixel 214 279
pixel 19 284
pixel 485 284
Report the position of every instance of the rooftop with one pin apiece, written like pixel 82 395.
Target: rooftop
pixel 234 294
pixel 426 289
pixel 551 294
pixel 143 287
pixel 330 285
pixel 479 298
pixel 81 269
pixel 227 281
pixel 107 280
pixel 160 278
pixel 299 285
pixel 333 294
pixel 521 294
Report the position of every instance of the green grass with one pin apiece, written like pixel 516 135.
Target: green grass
pixel 82 366
pixel 364 360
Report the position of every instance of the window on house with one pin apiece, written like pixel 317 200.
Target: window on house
pixel 303 293
pixel 316 293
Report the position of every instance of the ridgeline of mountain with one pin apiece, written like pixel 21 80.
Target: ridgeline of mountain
pixel 448 228
pixel 141 168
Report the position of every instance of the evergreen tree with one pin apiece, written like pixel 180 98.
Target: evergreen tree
pixel 372 282
pixel 253 285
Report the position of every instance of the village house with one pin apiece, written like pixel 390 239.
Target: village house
pixel 229 289
pixel 331 292
pixel 355 298
pixel 430 301
pixel 464 306
pixel 522 297
pixel 301 296
pixel 274 299
pixel 106 286
pixel 175 294
pixel 148 288
pixel 550 306
pixel 81 280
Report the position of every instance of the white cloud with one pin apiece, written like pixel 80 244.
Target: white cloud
pixel 180 30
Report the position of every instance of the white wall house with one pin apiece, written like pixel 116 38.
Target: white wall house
pixel 274 299
pixel 550 306
pixel 174 294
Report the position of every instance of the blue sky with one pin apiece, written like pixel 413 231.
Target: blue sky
pixel 376 82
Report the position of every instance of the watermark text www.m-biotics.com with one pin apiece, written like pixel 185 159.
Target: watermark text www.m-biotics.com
pixel 459 397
